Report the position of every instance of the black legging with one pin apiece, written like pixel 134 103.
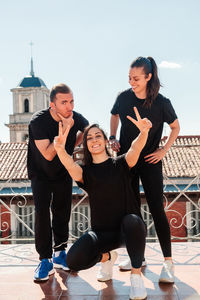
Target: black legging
pixel 88 249
pixel 152 181
pixel 56 196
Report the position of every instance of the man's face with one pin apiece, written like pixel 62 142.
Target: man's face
pixel 63 104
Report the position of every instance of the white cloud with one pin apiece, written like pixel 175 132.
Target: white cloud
pixel 169 65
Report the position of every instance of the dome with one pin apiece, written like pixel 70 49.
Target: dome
pixel 31 81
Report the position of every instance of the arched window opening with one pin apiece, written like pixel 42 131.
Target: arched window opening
pixel 26 105
pixel 25 138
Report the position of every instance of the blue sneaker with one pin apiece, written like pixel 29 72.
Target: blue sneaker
pixel 44 269
pixel 60 261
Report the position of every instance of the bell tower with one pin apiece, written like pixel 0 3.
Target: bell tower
pixel 29 96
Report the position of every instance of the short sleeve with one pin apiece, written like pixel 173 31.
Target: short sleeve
pixel 121 161
pixel 115 108
pixel 83 185
pixel 169 115
pixel 83 122
pixel 38 130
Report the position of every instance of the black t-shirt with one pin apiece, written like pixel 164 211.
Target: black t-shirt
pixel 43 126
pixel 111 196
pixel 160 111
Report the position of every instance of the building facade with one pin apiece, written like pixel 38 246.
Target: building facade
pixel 30 95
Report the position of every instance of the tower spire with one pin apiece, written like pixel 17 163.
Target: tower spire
pixel 32 72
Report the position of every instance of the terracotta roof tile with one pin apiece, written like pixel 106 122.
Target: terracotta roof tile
pixel 13 161
pixel 182 160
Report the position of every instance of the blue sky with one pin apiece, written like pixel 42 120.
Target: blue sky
pixel 90 44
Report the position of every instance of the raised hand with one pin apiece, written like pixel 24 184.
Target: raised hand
pixel 66 121
pixel 142 124
pixel 60 140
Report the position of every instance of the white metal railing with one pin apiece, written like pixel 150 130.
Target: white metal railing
pixel 17 210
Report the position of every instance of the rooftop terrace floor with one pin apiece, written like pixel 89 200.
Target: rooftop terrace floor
pixel 18 262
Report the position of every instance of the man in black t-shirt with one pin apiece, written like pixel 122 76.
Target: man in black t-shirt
pixel 51 183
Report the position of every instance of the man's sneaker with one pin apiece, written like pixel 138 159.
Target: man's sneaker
pixel 167 273
pixel 106 269
pixel 60 261
pixel 138 290
pixel 125 265
pixel 43 270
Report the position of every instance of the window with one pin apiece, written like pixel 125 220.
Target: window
pixel 25 138
pixel 193 220
pixel 27 215
pixel 26 105
pixel 147 217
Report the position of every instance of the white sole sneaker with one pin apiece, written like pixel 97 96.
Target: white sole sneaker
pixel 125 265
pixel 137 290
pixel 59 266
pixel 106 269
pixel 167 272
pixel 45 278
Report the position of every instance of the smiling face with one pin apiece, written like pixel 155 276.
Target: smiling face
pixel 63 104
pixel 138 81
pixel 96 142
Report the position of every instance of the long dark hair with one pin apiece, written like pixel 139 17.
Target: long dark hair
pixel 87 157
pixel 153 85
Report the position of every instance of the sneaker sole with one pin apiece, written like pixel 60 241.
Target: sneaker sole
pixel 45 278
pixel 58 266
pixel 139 298
pixel 164 280
pixel 104 279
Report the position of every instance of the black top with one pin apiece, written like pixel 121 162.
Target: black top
pixel 160 111
pixel 108 185
pixel 43 126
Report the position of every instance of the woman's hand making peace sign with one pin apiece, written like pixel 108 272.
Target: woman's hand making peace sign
pixel 142 124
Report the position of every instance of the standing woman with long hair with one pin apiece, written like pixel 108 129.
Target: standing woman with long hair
pixel 144 94
pixel 115 216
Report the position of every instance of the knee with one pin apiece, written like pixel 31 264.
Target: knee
pixel 80 253
pixel 72 261
pixel 132 220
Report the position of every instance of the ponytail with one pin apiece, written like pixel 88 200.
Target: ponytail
pixel 153 85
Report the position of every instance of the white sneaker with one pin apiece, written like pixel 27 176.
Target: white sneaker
pixel 167 273
pixel 138 290
pixel 126 264
pixel 106 269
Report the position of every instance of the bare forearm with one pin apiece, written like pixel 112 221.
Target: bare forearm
pixel 67 161
pixel 50 152
pixel 175 128
pixel 138 144
pixel 114 123
pixel 136 147
pixel 46 149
